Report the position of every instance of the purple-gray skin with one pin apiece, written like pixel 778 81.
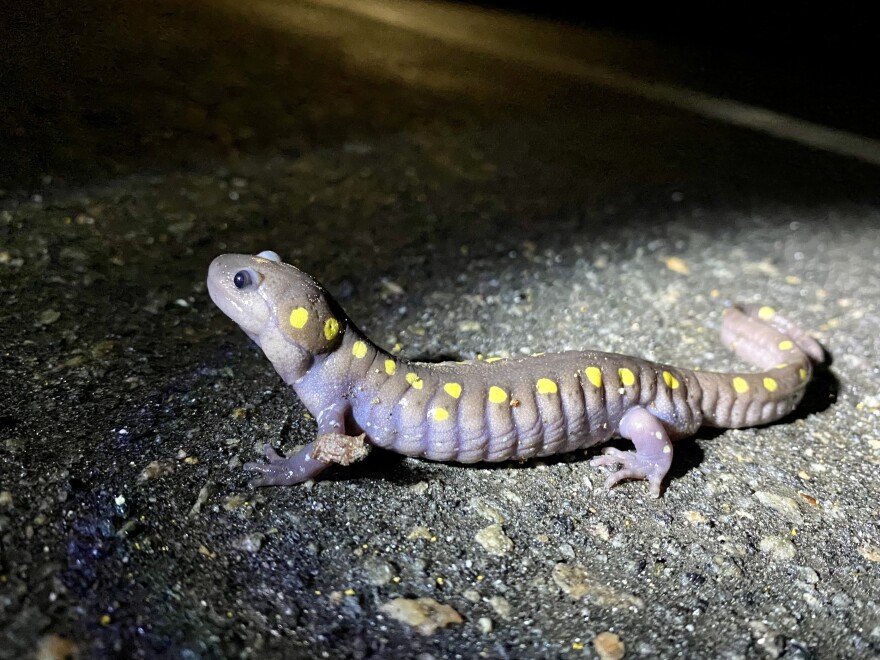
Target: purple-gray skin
pixel 509 409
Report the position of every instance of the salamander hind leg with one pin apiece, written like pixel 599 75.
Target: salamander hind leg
pixel 652 457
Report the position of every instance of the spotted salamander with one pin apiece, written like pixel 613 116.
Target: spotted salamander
pixel 487 410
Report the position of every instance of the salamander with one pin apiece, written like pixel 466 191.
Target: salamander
pixel 496 410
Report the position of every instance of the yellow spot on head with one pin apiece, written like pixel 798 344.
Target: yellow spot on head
pixel 594 376
pixel 740 385
pixel 414 380
pixel 439 414
pixel 770 385
pixel 497 395
pixel 452 389
pixel 626 376
pixel 299 317
pixel 802 373
pixel 786 345
pixel 547 386
pixel 670 380
pixel 359 349
pixel 766 313
pixel 331 328
pixel 390 367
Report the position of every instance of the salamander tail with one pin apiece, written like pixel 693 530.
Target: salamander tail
pixel 785 354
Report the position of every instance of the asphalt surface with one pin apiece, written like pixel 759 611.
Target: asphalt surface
pixel 456 203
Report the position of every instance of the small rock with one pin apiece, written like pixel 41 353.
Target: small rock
pixel 785 506
pixel 576 581
pixel 677 265
pixel 779 548
pixel 234 502
pixel 695 517
pixel 494 540
pixel 602 531
pixel 154 470
pixel 420 533
pixel 469 326
pixel 419 488
pixel 472 595
pixel 870 552
pixel 608 646
pixel 249 542
pixel 484 623
pixel 48 317
pixel 201 498
pixel 377 571
pixel 5 498
pixel 55 647
pixel 426 615
pixel 501 606
pixel 486 510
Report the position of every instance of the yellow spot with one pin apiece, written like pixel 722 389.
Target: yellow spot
pixel 577 646
pixel 594 376
pixel 349 592
pixel 452 389
pixel 670 380
pixel 786 345
pixel 770 385
pixel 104 620
pixel 497 395
pixel 781 365
pixel 740 385
pixel 439 414
pixel 626 376
pixel 390 367
pixel 359 349
pixel 493 359
pixel 537 354
pixel 299 317
pixel 331 329
pixel 547 386
pixel 766 313
pixel 415 381
pixel 802 373
pixel 439 580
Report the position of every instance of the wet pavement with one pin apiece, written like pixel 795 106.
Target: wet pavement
pixel 456 204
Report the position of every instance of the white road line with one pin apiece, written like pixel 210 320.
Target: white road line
pixel 471 29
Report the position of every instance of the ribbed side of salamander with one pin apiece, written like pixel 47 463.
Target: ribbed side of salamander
pixel 516 408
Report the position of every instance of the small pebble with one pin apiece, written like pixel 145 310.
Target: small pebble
pixel 425 615
pixel 608 646
pixel 494 540
pixel 778 547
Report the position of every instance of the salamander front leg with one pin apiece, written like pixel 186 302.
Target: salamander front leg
pixel 331 446
pixel 285 471
pixel 653 455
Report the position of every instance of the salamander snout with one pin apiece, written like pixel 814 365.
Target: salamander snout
pixel 234 283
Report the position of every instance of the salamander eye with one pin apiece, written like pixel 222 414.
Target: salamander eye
pixel 242 279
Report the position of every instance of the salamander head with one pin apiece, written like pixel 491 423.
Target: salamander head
pixel 286 312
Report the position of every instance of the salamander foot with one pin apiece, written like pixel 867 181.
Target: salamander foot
pixel 285 471
pixel 653 455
